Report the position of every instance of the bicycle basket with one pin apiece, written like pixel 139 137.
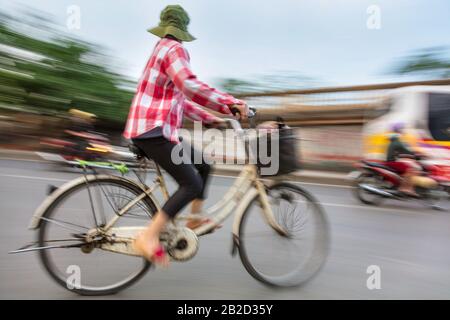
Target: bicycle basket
pixel 287 154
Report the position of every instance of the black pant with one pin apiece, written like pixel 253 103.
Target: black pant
pixel 191 177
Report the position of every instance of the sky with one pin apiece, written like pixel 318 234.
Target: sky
pixel 328 40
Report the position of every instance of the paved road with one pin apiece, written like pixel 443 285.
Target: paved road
pixel 410 243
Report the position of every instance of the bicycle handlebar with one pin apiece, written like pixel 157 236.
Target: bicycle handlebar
pixel 235 124
pixel 250 114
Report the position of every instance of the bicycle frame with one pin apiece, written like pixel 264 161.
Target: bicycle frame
pixel 246 187
pixel 181 243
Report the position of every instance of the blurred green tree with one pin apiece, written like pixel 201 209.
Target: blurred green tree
pixel 429 63
pixel 280 81
pixel 44 70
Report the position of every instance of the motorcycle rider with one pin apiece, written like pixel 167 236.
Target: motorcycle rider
pixel 402 159
pixel 81 132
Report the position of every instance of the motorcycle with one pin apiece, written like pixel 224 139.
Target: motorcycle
pixel 375 181
pixel 89 147
pixel 82 146
pixel 440 171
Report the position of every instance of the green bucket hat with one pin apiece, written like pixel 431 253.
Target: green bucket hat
pixel 174 21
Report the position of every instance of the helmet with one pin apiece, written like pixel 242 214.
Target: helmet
pixel 398 127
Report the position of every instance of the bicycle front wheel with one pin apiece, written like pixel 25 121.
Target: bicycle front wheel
pixel 284 260
pixel 82 267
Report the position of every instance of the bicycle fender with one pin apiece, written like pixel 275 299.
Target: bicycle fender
pixel 39 212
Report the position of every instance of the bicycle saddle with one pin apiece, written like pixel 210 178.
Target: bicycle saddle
pixel 137 151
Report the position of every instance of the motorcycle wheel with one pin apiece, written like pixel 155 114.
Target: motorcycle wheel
pixel 363 195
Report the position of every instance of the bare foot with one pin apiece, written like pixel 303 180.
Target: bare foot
pixel 151 249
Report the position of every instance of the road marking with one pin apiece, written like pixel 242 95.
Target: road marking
pixel 32 178
pixel 323 184
pixel 325 204
pixel 354 206
pixel 411 211
pixel 215 175
pixel 400 261
pixel 291 181
pixel 26 160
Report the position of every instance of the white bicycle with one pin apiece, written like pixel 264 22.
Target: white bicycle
pixel 88 224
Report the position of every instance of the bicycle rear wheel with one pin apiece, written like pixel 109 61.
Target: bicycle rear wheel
pixel 87 269
pixel 289 260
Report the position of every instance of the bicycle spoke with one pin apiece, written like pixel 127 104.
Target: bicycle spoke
pixel 61 224
pixel 64 240
pixel 48 247
pixel 292 219
pixel 64 227
pixel 135 216
pixel 122 196
pixel 140 206
pixel 116 210
pixel 116 197
pixel 101 209
pixel 284 260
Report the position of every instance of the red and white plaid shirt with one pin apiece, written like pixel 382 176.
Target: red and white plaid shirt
pixel 160 100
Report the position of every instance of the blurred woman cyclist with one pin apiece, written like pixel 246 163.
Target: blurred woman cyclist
pixel 162 99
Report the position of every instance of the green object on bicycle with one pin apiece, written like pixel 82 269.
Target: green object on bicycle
pixel 122 168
